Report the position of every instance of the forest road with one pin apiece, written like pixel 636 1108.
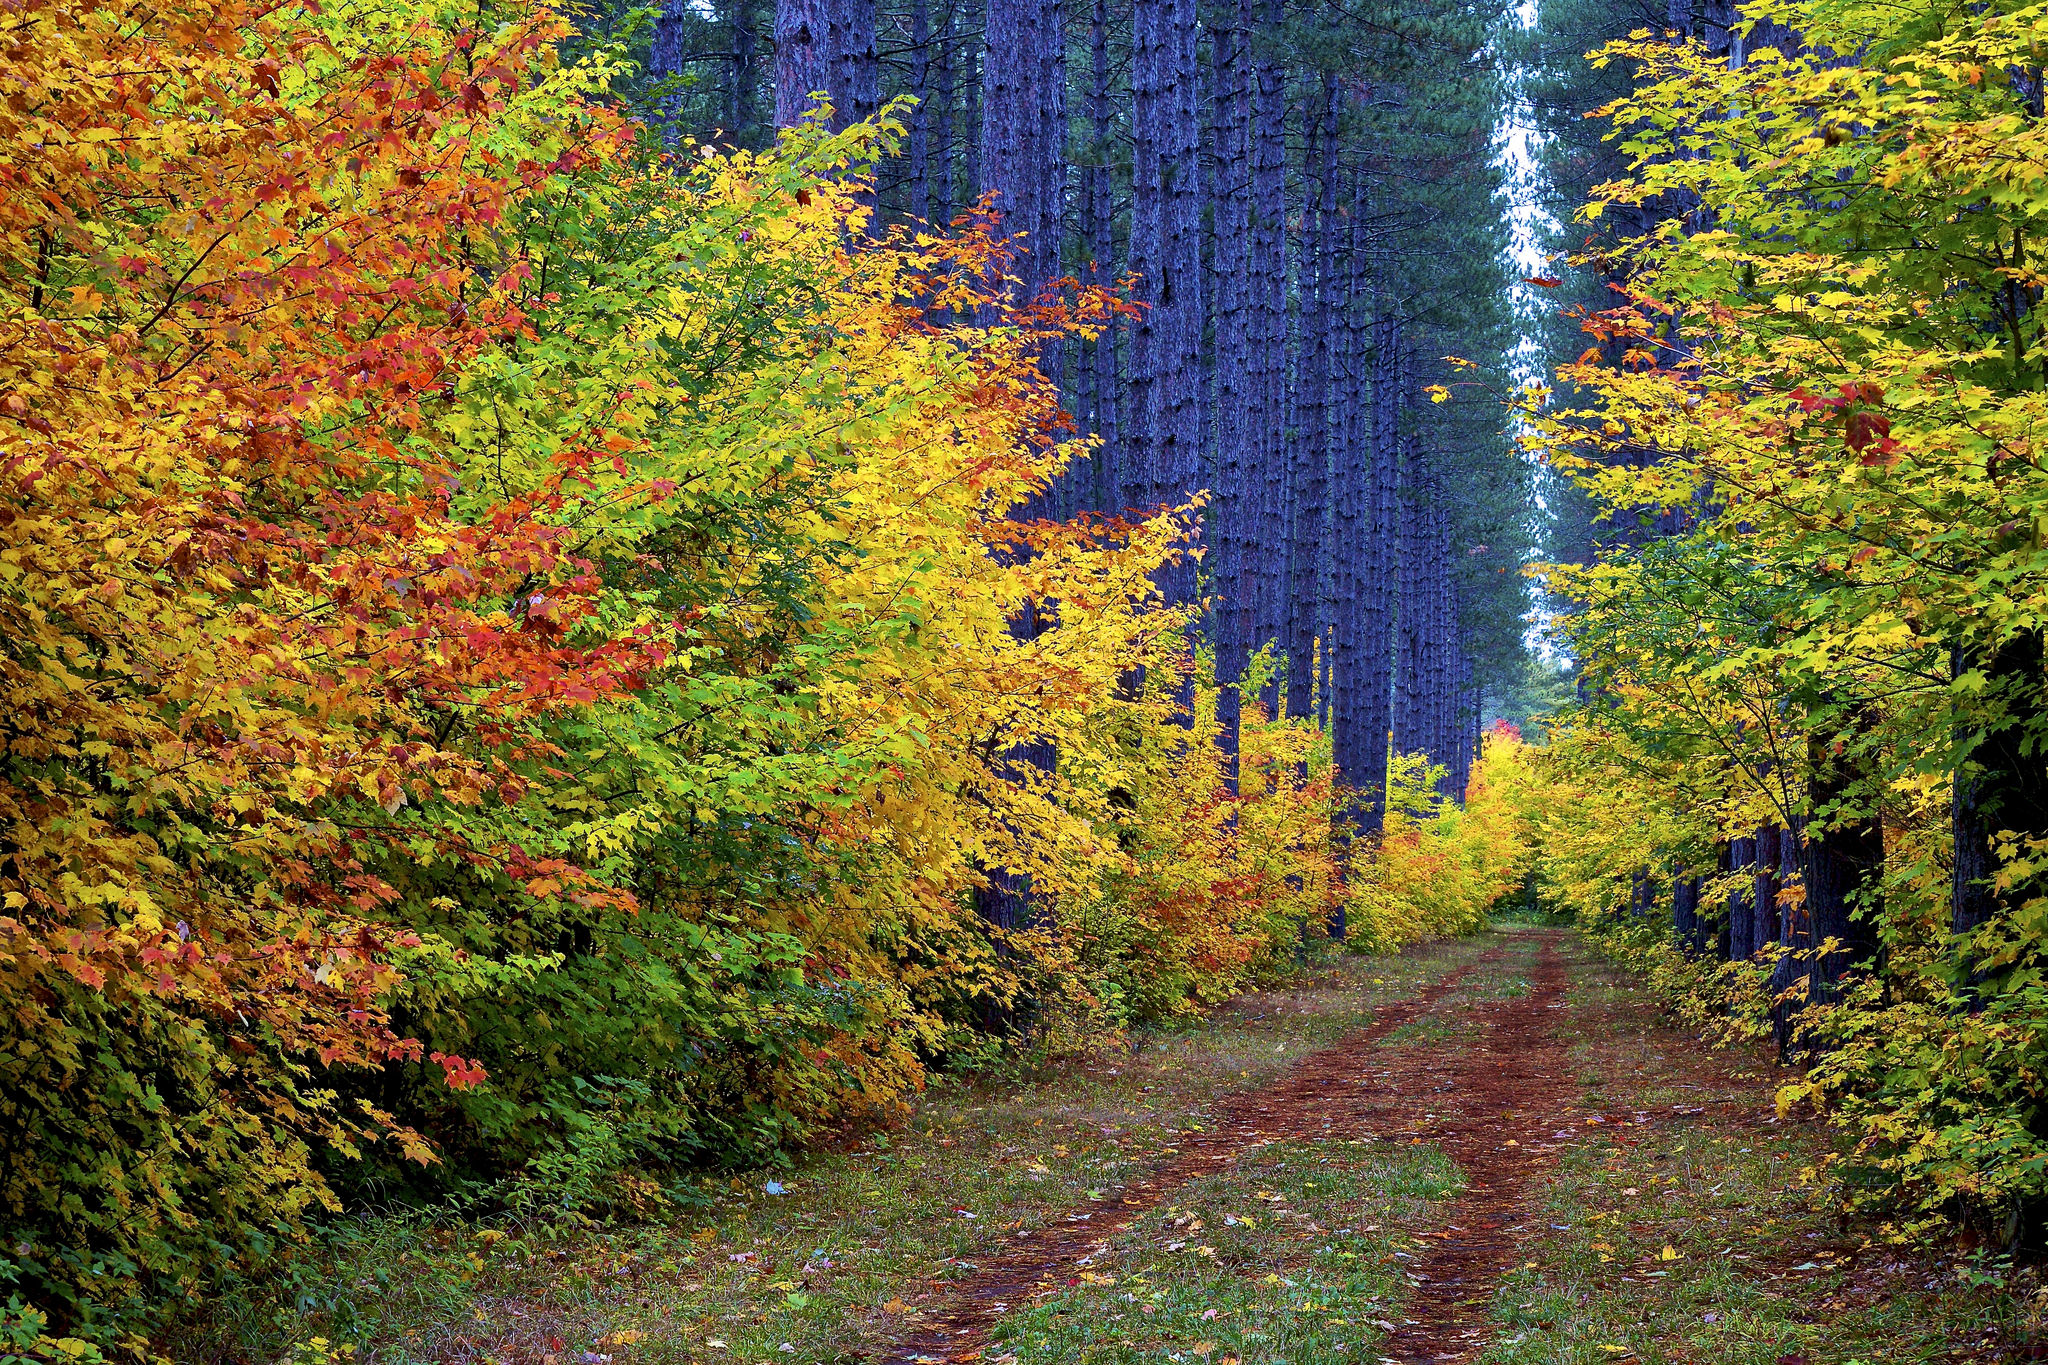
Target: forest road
pixel 1493 1099
pixel 1499 1102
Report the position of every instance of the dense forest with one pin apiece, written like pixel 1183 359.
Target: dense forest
pixel 601 595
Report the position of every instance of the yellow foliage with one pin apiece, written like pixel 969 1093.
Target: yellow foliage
pixel 1441 868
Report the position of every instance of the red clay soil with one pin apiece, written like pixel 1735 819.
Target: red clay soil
pixel 1319 1097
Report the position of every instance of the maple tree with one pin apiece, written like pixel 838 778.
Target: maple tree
pixel 1821 381
pixel 246 626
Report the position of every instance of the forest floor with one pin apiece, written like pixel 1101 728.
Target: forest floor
pixel 1489 1151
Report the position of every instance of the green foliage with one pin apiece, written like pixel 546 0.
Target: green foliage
pixel 1810 408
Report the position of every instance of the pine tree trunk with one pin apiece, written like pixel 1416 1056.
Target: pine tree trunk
pixel 665 60
pixel 1737 856
pixel 1268 330
pixel 1380 560
pixel 802 62
pixel 1763 897
pixel 829 46
pixel 1164 430
pixel 1150 109
pixel 1795 935
pixel 1685 915
pixel 741 77
pixel 942 119
pixel 921 112
pixel 970 78
pixel 1842 869
pixel 1310 461
pixel 1180 386
pixel 1023 168
pixel 1108 481
pixel 1236 454
pixel 1410 701
pixel 856 74
pixel 1350 497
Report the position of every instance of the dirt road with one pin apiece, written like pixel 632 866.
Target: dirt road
pixel 1494 1096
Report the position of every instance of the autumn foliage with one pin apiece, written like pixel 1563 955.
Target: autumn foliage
pixel 1819 378
pixel 509 666
pixel 508 651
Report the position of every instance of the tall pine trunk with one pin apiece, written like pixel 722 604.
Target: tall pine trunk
pixel 1023 123
pixel 1844 864
pixel 1411 640
pixel 1795 933
pixel 1150 109
pixel 741 76
pixel 1742 943
pixel 1097 189
pixel 1359 559
pixel 1841 866
pixel 1380 558
pixel 1236 450
pixel 942 118
pixel 1310 461
pixel 1165 252
pixel 1268 327
pixel 1180 418
pixel 802 64
pixel 1023 168
pixel 921 112
pixel 828 46
pixel 1763 898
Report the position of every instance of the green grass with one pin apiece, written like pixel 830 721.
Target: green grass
pixel 860 1244
pixel 1694 1238
pixel 1294 1257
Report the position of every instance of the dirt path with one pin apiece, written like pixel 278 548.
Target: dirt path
pixel 1495 1100
pixel 1319 1097
pixel 1497 1104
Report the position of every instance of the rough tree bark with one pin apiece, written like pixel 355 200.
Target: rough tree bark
pixel 1165 252
pixel 1146 249
pixel 1310 458
pixel 1023 169
pixel 1380 558
pixel 1685 915
pixel 1841 861
pixel 1351 536
pixel 1179 395
pixel 1842 867
pixel 1737 856
pixel 741 76
pixel 1268 325
pixel 1763 898
pixel 1410 698
pixel 1236 452
pixel 921 112
pixel 829 46
pixel 1795 933
pixel 1097 188
pixel 942 117
pixel 856 74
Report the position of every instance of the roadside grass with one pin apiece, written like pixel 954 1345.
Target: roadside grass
pixel 1430 1028
pixel 1292 1255
pixel 1684 1233
pixel 852 1252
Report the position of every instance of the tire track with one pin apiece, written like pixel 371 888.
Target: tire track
pixel 1318 1097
